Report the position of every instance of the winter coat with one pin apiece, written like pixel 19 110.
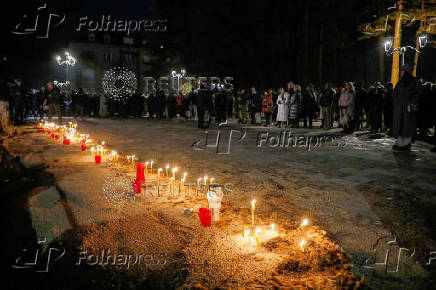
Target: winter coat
pixel 309 106
pixel 407 92
pixel 327 97
pixel 294 106
pixel 283 109
pixel 267 104
pixel 346 100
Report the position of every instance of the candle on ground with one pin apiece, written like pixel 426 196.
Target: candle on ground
pixel 174 173
pixel 302 243
pixel 253 207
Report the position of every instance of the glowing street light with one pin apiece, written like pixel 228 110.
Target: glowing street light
pixel 179 76
pixel 69 60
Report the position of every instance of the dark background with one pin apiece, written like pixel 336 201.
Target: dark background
pixel 263 43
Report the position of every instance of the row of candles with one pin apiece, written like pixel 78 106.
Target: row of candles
pixel 143 169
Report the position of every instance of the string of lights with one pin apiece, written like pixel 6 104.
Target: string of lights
pixel 119 82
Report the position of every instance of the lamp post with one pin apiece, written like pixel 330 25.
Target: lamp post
pixel 401 50
pixel 69 60
pixel 179 76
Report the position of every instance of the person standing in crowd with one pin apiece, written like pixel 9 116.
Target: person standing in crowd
pixel 375 98
pixel 192 97
pixel 179 102
pixel 79 98
pixel 346 106
pixel 43 102
pixel 204 103
pixel 242 107
pixel 103 106
pixel 54 102
pixel 282 107
pixel 309 107
pixel 290 88
pixel 405 102
pixel 160 104
pixel 294 108
pixel 255 104
pixel 220 106
pixel 275 107
pixel 267 107
pixel 388 108
pixel 359 105
pixel 326 103
pixel 18 101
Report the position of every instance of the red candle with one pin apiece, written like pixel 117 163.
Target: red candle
pixel 97 159
pixel 140 167
pixel 57 136
pixel 67 141
pixel 83 147
pixel 136 186
pixel 204 215
pixel 52 135
pixel 42 130
pixel 48 132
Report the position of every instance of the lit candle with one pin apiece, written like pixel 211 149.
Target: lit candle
pixel 182 183
pixel 151 167
pixel 205 180
pixel 146 167
pixel 166 169
pixel 247 235
pixel 305 222
pixel 272 226
pixel 253 207
pixel 133 159
pixel 174 173
pixel 302 243
pixel 212 180
pixel 256 235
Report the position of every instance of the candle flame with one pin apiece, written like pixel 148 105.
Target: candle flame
pixel 305 222
pixel 159 170
pixel 272 226
pixel 253 202
pixel 257 231
pixel 302 243
pixel 168 166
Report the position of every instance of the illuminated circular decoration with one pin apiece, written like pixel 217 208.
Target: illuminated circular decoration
pixel 119 82
pixel 117 189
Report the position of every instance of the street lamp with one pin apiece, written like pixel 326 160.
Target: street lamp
pixel 401 50
pixel 69 60
pixel 179 76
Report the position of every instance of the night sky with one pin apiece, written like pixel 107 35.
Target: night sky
pixel 263 43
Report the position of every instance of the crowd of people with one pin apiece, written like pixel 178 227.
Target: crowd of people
pixel 402 112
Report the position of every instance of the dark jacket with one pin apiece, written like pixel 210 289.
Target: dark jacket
pixel 327 98
pixel 406 94
pixel 54 96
